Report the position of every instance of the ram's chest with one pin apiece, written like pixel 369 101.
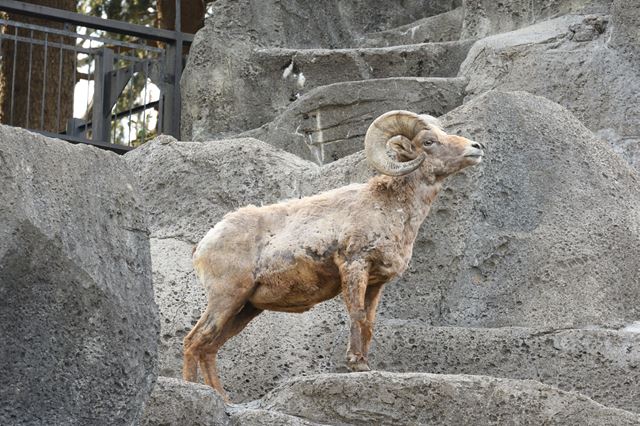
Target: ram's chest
pixel 388 262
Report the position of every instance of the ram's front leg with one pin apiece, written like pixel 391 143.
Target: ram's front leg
pixel 355 277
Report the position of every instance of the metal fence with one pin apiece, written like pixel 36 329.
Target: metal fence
pixel 123 79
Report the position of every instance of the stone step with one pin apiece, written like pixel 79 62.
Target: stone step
pixel 329 122
pixel 602 364
pixel 443 27
pixel 414 398
pixel 244 89
pixel 384 398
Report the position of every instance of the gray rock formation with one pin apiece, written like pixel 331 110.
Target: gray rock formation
pixel 222 79
pixel 414 398
pixel 487 17
pixel 569 60
pixel 78 321
pixel 445 26
pixel 531 200
pixel 329 122
pixel 293 47
pixel 177 403
pixel 387 399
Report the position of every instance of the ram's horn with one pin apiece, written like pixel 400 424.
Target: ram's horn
pixel 388 125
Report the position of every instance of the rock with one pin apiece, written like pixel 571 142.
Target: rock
pixel 543 233
pixel 601 364
pixel 79 324
pixel 189 186
pixel 174 402
pixel 267 54
pixel 221 79
pixel 302 24
pixel 443 27
pixel 568 60
pixel 486 17
pixel 415 398
pixel 625 36
pixel 329 122
pixel 253 417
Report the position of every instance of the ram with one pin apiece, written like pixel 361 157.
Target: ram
pixel 352 240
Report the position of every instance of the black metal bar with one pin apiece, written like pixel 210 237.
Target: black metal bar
pixel 110 25
pixel 60 60
pixel 79 36
pixel 88 124
pixel 41 43
pixel 120 149
pixel 44 80
pixel 13 74
pixel 144 102
pixel 102 95
pixel 177 73
pixel 29 81
pixel 130 100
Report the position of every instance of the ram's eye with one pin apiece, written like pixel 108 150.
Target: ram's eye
pixel 428 142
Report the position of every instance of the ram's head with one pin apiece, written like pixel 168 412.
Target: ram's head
pixel 419 142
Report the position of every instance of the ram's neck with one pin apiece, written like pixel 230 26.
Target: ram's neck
pixel 410 196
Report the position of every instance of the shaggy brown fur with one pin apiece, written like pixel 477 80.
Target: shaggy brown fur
pixel 295 254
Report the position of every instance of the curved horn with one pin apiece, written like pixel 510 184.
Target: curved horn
pixel 383 128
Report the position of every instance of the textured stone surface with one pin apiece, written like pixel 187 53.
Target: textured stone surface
pixel 256 417
pixel 544 233
pixel 569 61
pixel 221 80
pixel 602 364
pixel 174 402
pixel 302 24
pixel 329 122
pixel 487 17
pixel 78 322
pixel 442 27
pixel 414 398
pixel 268 53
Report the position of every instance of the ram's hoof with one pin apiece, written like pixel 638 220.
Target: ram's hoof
pixel 359 366
pixel 357 362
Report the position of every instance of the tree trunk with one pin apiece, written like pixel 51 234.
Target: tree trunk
pixel 36 90
pixel 191 12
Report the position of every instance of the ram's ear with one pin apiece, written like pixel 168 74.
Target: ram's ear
pixel 404 149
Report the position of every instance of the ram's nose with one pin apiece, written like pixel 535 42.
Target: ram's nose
pixel 478 145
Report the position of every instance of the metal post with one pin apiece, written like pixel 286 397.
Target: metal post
pixel 177 72
pixel 101 119
pixel 171 104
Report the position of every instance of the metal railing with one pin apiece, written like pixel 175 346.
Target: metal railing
pixel 124 78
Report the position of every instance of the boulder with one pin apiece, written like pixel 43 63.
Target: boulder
pixel 329 122
pixel 625 32
pixel 223 77
pixel 174 402
pixel 78 319
pixel 569 61
pixel 303 24
pixel 486 17
pixel 445 26
pixel 418 398
pixel 544 233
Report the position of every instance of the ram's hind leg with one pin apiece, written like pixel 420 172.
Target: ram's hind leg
pixel 209 352
pixel 225 302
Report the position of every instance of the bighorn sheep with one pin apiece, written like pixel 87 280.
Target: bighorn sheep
pixel 295 254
